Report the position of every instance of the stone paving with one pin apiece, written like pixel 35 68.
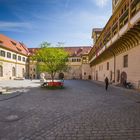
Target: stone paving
pixel 19 83
pixel 81 111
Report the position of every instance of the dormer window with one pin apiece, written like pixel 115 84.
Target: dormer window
pixel 1 42
pixel 18 49
pixel 14 43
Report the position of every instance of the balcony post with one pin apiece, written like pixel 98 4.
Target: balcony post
pixel 118 25
pixel 129 13
pixel 111 34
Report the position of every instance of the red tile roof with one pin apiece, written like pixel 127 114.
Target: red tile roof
pixel 33 50
pixel 78 50
pixel 15 46
pixel 72 51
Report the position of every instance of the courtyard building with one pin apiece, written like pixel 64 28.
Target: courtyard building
pixel 15 62
pixel 13 59
pixel 115 51
pixel 77 67
pixel 115 54
pixel 75 61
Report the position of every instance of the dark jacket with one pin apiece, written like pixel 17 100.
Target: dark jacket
pixel 106 80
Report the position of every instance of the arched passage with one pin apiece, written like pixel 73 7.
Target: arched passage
pixel 123 77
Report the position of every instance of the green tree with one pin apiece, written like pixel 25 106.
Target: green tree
pixel 51 59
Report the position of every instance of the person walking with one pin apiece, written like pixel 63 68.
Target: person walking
pixel 106 83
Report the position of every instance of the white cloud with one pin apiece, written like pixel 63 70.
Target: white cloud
pixel 75 19
pixel 14 26
pixel 88 18
pixel 101 3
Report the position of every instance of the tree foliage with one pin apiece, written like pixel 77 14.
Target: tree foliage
pixel 51 59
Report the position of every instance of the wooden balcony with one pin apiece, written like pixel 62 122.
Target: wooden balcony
pixel 123 20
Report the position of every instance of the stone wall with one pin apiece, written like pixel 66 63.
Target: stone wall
pixel 99 72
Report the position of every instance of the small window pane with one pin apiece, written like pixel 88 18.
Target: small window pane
pixel 19 58
pixel 107 65
pixel 2 53
pixel 23 59
pixel 125 61
pixel 14 56
pixel 8 55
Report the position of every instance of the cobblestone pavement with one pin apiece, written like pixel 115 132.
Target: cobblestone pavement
pixel 81 111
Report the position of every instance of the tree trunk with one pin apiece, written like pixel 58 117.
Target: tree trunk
pixel 52 76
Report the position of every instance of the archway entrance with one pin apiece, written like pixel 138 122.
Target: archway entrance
pixel 123 77
pixel 61 75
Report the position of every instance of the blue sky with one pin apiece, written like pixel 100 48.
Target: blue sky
pixel 66 21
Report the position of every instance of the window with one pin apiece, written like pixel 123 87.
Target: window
pixel 84 58
pixel 78 60
pixel 14 56
pixel 13 71
pixel 73 60
pixel 19 58
pixel 111 73
pixel 1 71
pixel 23 59
pixel 125 61
pixel 27 60
pixel 8 55
pixel 107 65
pixel 2 53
